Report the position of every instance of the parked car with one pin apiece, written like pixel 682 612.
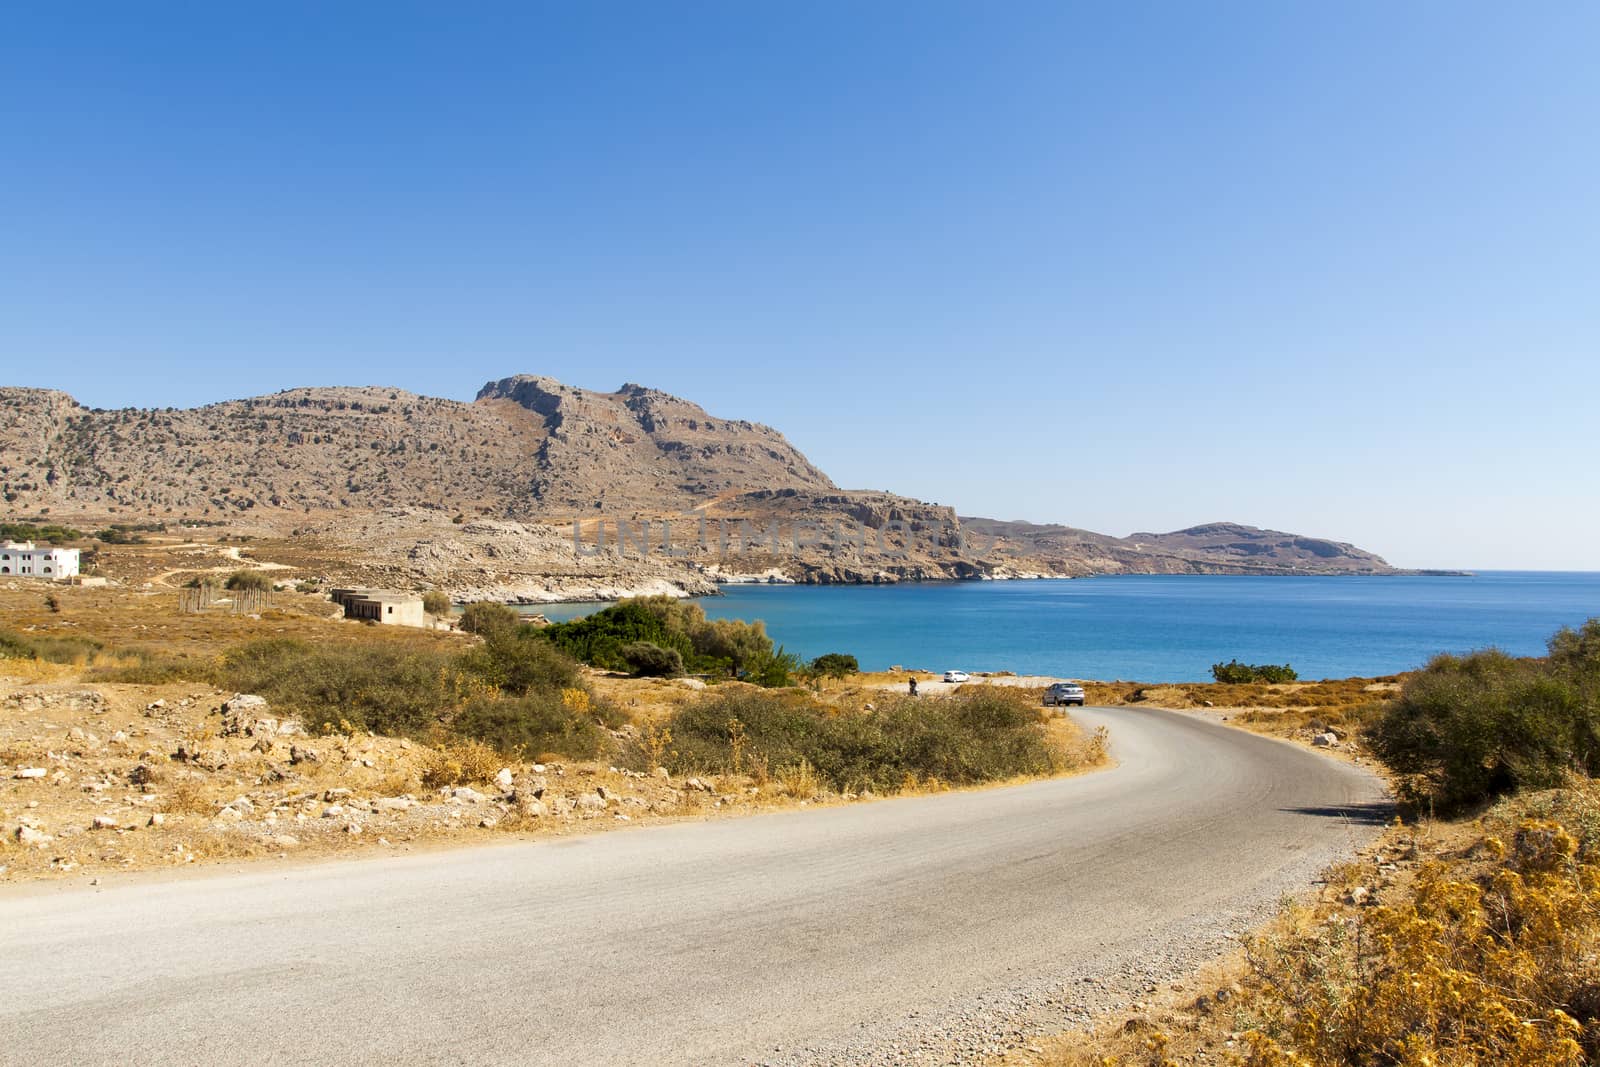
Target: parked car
pixel 1063 693
pixel 957 676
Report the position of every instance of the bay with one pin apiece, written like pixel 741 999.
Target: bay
pixel 1164 628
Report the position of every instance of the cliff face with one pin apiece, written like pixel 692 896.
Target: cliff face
pixel 535 454
pixel 641 450
pixel 527 446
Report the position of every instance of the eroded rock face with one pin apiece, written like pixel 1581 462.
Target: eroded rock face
pixel 478 499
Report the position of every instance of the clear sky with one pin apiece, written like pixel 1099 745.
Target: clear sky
pixel 1332 268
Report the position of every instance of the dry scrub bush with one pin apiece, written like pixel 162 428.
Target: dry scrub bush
pixel 983 734
pixel 799 780
pixel 1496 967
pixel 459 763
pixel 187 797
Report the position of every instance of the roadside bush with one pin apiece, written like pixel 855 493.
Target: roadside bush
pixel 1473 966
pixel 535 725
pixel 1467 728
pixel 378 687
pixel 458 762
pixel 249 582
pixel 652 661
pixel 974 736
pixel 1236 673
pixel 436 603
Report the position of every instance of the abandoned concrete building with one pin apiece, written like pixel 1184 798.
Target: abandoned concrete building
pixel 387 606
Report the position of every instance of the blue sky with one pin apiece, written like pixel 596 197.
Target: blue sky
pixel 1328 268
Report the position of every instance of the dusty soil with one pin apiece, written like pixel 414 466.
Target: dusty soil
pixel 100 777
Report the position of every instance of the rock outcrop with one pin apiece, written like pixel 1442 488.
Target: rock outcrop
pixel 480 498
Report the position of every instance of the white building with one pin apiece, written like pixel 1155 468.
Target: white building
pixel 381 605
pixel 37 561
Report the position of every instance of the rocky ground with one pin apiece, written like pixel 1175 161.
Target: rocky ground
pixel 103 778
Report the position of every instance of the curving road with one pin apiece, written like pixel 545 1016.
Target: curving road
pixel 700 943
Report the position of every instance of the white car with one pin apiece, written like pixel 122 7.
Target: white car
pixel 957 676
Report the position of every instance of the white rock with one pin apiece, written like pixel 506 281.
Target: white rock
pixel 103 822
pixel 231 814
pixel 157 819
pixel 28 836
pixel 31 772
pixel 470 796
pixel 1326 740
pixel 394 804
pixel 333 811
pixel 503 778
pixel 663 773
pixel 353 829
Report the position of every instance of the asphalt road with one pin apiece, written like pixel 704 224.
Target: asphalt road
pixel 697 943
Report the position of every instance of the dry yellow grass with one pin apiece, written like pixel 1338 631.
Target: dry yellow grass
pixel 1453 944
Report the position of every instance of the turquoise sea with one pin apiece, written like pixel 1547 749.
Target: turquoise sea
pixel 1161 628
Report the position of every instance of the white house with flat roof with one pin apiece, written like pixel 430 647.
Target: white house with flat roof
pixel 37 561
pixel 386 606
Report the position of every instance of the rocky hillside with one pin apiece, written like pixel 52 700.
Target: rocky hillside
pixel 527 446
pixel 481 496
pixel 1215 548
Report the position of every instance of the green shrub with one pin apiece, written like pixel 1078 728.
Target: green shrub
pixel 1235 673
pixel 436 603
pixel 378 687
pixel 599 639
pixel 835 665
pixel 47 533
pixel 150 667
pixel 1467 728
pixel 486 616
pixel 48 647
pixel 726 647
pixel 647 660
pixel 519 661
pixel 534 725
pixel 977 735
pixel 248 582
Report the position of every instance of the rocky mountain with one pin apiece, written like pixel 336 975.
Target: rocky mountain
pixel 483 496
pixel 1214 548
pixel 528 446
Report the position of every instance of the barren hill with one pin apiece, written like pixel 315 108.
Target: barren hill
pixel 531 453
pixel 1215 548
pixel 527 446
